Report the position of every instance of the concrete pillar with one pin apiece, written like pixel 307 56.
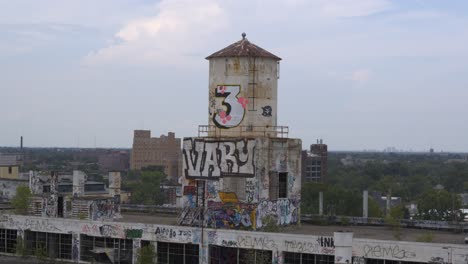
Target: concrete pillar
pixel 34 185
pixel 76 247
pixel 114 183
pixel 278 257
pixel 343 247
pixel 320 203
pixel 136 249
pixel 114 190
pixel 365 204
pixel 79 179
pixel 20 249
pixel 389 198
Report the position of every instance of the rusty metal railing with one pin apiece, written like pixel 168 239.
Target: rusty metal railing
pixel 243 131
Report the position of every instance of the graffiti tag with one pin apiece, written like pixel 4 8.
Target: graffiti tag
pixel 133 233
pixel 301 246
pixel 231 110
pixel 256 242
pixel 215 159
pixel 387 251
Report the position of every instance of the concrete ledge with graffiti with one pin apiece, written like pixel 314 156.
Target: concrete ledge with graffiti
pixel 277 243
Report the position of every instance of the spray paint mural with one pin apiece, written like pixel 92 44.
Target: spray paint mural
pixel 103 209
pixel 244 216
pixel 50 201
pixel 239 216
pixel 247 170
pixel 229 107
pixel 212 159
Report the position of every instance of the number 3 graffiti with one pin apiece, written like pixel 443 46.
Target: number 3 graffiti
pixel 234 111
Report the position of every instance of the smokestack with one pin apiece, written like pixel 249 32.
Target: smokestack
pixel 320 203
pixel 21 143
pixel 365 204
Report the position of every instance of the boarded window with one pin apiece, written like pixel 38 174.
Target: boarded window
pixel 273 185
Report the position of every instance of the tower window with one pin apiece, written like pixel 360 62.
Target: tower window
pixel 283 185
pixel 278 185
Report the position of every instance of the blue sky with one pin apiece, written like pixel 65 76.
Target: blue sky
pixel 361 74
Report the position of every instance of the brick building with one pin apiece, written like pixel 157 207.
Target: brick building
pixel 151 151
pixel 315 163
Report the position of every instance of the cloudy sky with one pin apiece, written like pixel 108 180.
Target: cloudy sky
pixel 361 74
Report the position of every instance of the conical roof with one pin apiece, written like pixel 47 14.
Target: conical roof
pixel 243 48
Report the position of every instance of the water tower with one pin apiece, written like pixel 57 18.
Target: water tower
pixel 242 171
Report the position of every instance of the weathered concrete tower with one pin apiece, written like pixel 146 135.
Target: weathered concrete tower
pixel 243 91
pixel 242 171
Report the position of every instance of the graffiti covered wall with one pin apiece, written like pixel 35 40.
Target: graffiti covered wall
pixel 241 188
pixel 242 94
pixel 277 243
pixel 103 209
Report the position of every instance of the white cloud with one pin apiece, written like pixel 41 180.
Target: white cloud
pixel 361 75
pixel 179 28
pixel 353 8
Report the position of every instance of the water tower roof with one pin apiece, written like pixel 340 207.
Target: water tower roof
pixel 243 48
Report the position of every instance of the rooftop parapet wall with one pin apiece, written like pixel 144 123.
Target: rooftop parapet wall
pixel 241 131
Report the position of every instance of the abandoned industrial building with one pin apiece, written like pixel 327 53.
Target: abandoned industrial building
pixel 117 242
pixel 241 174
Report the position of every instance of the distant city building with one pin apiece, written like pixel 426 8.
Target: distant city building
pixel 381 200
pixel 9 166
pixel 73 196
pixel 164 151
pixel 315 163
pixel 114 161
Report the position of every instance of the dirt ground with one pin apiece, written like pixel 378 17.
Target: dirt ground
pixel 369 232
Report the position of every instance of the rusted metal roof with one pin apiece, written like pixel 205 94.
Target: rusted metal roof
pixel 243 48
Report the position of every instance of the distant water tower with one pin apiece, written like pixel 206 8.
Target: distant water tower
pixel 243 89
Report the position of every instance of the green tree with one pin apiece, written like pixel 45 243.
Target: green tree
pixel 336 200
pixel 146 255
pixel 374 208
pixel 41 253
pixel 438 205
pixel 148 189
pixel 20 247
pixel 393 219
pixel 21 200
